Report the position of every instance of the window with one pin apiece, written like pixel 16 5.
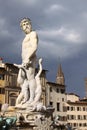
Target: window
pixel 72 117
pixel 2 91
pixel 84 109
pixel 1 77
pixel 58 106
pixel 51 103
pixel 84 124
pixel 50 89
pixel 80 124
pixel 13 100
pixel 72 108
pixel 79 117
pixel 84 117
pixel 78 108
pixel 62 99
pixel 62 91
pixel 64 108
pixel 57 90
pixel 68 108
pixel 75 124
pixel 64 118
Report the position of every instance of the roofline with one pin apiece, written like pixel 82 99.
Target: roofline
pixel 56 84
pixel 73 94
pixel 77 102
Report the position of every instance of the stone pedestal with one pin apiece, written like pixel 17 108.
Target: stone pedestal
pixel 28 120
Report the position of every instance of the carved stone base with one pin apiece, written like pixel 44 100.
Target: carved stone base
pixel 34 120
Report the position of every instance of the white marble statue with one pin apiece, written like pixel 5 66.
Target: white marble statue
pixel 27 68
pixel 24 94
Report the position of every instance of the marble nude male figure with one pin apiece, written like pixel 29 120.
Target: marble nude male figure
pixel 29 48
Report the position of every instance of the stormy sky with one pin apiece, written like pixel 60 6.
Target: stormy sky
pixel 62 30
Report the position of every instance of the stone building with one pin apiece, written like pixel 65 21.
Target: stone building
pixel 76 112
pixel 72 110
pixel 9 88
pixel 56 96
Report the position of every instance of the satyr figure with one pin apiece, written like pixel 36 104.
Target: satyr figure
pixel 38 89
pixel 26 74
pixel 23 96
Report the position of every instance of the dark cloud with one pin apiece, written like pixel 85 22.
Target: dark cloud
pixel 61 27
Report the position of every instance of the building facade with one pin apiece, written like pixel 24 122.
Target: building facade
pixel 72 111
pixel 76 112
pixel 56 96
pixel 9 88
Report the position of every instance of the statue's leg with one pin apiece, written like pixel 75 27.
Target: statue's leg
pixel 21 77
pixel 32 87
pixel 30 73
pixel 25 91
pixel 19 98
pixel 38 92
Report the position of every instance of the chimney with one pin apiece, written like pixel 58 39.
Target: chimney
pixel 1 60
pixel 86 87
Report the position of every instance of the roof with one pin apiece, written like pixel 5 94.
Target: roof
pixel 84 99
pixel 78 102
pixel 56 84
pixel 73 94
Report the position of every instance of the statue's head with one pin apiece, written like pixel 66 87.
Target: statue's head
pixel 25 22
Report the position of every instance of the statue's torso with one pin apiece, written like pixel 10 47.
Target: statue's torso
pixel 26 47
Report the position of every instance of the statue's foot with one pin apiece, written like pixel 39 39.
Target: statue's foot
pixel 26 105
pixel 29 101
pixel 33 103
pixel 23 102
pixel 20 106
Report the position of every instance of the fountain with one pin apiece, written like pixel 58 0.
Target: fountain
pixel 29 112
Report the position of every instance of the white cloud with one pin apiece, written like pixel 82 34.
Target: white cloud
pixel 54 8
pixel 3 31
pixel 65 34
pixel 55 50
pixel 28 3
pixel 84 15
pixel 70 35
pixel 2 23
pixel 61 42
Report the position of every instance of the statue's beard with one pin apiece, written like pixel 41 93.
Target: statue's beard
pixel 27 30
